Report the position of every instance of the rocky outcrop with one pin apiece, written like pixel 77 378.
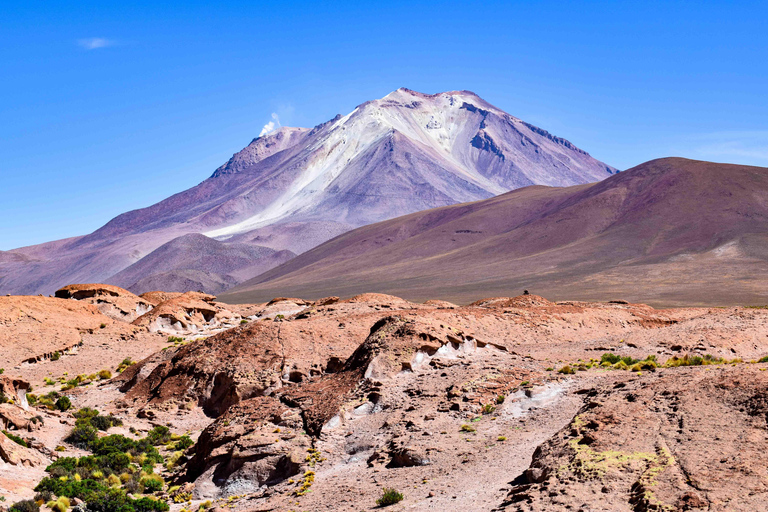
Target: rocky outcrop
pixel 680 439
pixel 188 313
pixel 112 301
pixel 18 455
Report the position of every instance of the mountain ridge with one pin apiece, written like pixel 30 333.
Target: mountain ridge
pixel 402 153
pixel 675 226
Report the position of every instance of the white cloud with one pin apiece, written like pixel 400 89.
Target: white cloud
pixel 94 43
pixel 749 147
pixel 270 126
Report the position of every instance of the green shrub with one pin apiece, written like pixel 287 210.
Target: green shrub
pixel 124 365
pixel 25 506
pixel 566 370
pixel 183 443
pixel 151 483
pixel 390 497
pixel 488 408
pixel 85 413
pixel 467 428
pixel 16 439
pixel 105 374
pixel 103 423
pixel 159 435
pixel 56 356
pixel 2 371
pixel 31 399
pixel 63 404
pixel 103 325
pixel 83 435
pixel 763 359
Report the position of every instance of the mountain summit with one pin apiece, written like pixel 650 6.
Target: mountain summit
pixel 295 188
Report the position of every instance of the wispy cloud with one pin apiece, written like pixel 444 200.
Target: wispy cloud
pixel 749 147
pixel 270 126
pixel 94 43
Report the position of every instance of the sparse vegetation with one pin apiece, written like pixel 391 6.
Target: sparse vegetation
pixel 118 467
pixel 63 404
pixel 56 356
pixel 566 370
pixel 467 428
pixel 175 339
pixel 25 506
pixel 124 365
pixel 16 439
pixel 183 443
pixel 488 408
pixel 105 374
pixel 389 497
pixel 159 435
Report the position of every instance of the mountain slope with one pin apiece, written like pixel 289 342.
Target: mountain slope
pixel 403 153
pixel 196 260
pixel 670 231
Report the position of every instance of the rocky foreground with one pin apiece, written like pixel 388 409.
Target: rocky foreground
pixel 504 404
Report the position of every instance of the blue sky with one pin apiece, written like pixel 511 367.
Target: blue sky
pixel 110 107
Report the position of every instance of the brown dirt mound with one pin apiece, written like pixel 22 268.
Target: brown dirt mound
pixel 375 298
pixel 521 301
pixel 36 327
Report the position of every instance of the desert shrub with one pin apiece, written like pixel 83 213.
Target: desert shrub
pixel 83 435
pixel 56 356
pixel 566 370
pixel 2 371
pixel 31 399
pixel 488 408
pixel 124 364
pixel 3 399
pixel 175 339
pixel 16 439
pixel 102 325
pixel 690 360
pixel 59 505
pixel 500 399
pixel 183 443
pixel 85 413
pixel 105 374
pixel 159 435
pixel 151 483
pixel 243 321
pixel 44 496
pixel 467 428
pixel 390 497
pixel 763 359
pixel 63 404
pixel 25 506
pixel 104 423
pixel 609 358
